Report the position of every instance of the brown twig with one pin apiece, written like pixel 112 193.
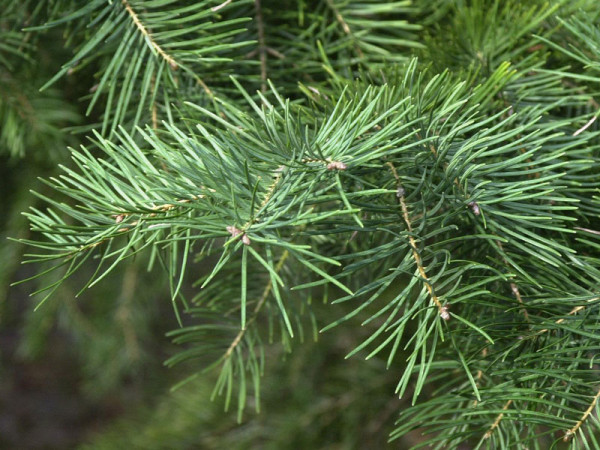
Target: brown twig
pixel 575 310
pixel 489 432
pixel 345 26
pixel 163 54
pixel 587 412
pixel 442 309
pixel 154 108
pixel 515 290
pixel 140 26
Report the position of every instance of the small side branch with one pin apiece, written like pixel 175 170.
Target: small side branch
pixel 571 313
pixel 443 310
pixel 515 290
pixel 489 432
pixel 586 414
pixel 345 27
pixel 140 26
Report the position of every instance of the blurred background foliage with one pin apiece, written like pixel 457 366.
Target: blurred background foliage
pixel 88 372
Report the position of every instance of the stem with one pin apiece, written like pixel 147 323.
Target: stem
pixel 489 432
pixel 572 312
pixel 513 286
pixel 413 245
pixel 345 27
pixel 136 20
pixel 587 412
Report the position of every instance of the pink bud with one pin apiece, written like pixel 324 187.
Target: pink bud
pixel 444 314
pixel 475 207
pixel 336 165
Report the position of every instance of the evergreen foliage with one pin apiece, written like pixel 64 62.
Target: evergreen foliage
pixel 430 168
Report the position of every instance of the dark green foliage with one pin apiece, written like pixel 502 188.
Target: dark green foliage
pixel 429 168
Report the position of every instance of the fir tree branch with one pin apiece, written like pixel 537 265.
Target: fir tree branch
pixel 570 433
pixel 140 26
pixel 443 311
pixel 345 27
pixel 514 287
pixel 489 432
pixel 574 311
pixel 476 210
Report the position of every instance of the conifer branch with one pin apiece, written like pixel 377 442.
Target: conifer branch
pixel 574 311
pixel 499 173
pixel 345 27
pixel 489 432
pixel 400 195
pixel 476 210
pixel 164 55
pixel 570 433
pixel 140 26
pixel 514 287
